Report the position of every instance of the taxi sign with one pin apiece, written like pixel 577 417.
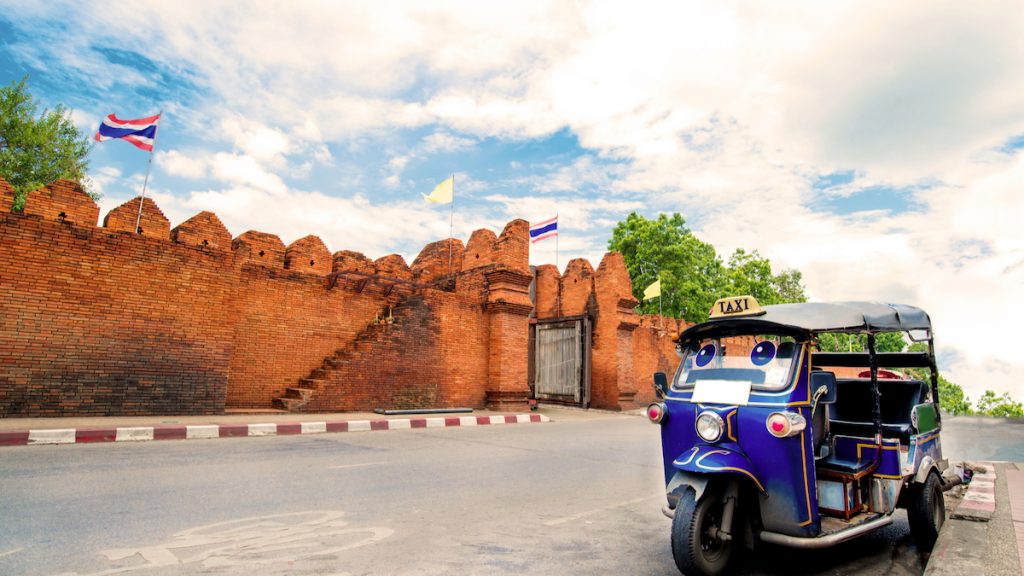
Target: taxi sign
pixel 736 306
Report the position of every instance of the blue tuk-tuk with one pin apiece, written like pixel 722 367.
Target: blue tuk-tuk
pixel 765 438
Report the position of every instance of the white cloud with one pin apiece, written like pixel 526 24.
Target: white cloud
pixel 445 142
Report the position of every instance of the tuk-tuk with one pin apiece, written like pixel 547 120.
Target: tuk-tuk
pixel 765 438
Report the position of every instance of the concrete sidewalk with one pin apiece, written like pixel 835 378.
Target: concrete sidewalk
pixel 77 430
pixel 984 536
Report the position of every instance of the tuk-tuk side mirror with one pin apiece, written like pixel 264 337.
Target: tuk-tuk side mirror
pixel 660 384
pixel 827 380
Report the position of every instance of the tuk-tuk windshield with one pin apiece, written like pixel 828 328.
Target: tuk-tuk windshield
pixel 764 361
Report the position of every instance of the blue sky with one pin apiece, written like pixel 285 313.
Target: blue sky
pixel 881 157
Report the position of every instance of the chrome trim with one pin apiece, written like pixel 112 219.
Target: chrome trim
pixel 716 417
pixel 825 541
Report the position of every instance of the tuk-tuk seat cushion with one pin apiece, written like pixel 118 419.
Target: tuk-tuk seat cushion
pixel 843 465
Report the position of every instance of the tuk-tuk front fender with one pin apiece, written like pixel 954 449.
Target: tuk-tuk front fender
pixel 705 460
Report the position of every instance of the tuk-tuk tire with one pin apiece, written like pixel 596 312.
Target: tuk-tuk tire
pixel 687 523
pixel 926 512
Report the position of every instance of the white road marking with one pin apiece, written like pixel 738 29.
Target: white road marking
pixel 435 422
pixel 254 543
pixel 399 424
pixel 9 552
pixel 581 515
pixel 356 465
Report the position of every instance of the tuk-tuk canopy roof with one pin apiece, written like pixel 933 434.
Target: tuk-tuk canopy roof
pixel 814 317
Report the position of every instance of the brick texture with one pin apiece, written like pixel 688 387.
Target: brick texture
pixel 63 200
pixel 153 223
pixel 259 248
pixel 204 230
pixel 308 254
pixel 6 196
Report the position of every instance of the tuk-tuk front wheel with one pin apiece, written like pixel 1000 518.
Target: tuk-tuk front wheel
pixel 697 546
pixel 926 512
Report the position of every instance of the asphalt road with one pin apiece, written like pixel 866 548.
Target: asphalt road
pixel 578 495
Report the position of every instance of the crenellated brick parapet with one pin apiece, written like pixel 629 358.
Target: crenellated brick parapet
pixel 65 201
pixel 204 230
pixel 308 254
pixel 151 222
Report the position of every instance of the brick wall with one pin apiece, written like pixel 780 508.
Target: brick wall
pixel 93 322
pixel 103 321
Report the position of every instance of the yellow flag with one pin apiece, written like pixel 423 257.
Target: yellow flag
pixel 444 193
pixel 653 291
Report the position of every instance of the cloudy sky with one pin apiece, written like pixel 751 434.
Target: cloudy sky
pixel 876 146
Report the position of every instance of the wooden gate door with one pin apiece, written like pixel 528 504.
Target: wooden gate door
pixel 561 362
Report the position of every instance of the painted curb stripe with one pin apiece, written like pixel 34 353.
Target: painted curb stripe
pixel 314 427
pixel 205 431
pixel 262 430
pixel 202 431
pixel 233 430
pixel 134 434
pixel 18 438
pixel 170 432
pixel 96 435
pixel 66 436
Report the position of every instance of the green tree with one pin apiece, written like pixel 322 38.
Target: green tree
pixel 952 399
pixel 35 151
pixel 840 342
pixel 692 274
pixel 999 406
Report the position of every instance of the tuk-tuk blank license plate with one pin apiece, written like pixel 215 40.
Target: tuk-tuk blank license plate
pixel 731 392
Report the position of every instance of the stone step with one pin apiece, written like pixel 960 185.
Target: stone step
pixel 318 374
pixel 300 393
pixel 289 404
pixel 311 383
pixel 335 363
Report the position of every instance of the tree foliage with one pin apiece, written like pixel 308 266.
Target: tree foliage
pixel 839 342
pixel 692 274
pixel 36 150
pixel 999 406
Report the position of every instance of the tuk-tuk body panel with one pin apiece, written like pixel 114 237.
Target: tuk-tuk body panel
pixel 924 448
pixel 782 469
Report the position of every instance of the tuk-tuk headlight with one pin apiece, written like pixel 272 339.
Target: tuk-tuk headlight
pixel 710 426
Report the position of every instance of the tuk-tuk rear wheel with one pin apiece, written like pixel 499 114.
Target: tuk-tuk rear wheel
pixel 926 512
pixel 696 547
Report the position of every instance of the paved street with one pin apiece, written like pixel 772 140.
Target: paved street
pixel 579 495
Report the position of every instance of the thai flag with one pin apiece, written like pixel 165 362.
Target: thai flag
pixel 140 133
pixel 544 230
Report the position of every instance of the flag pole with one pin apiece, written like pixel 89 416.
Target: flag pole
pixel 558 295
pixel 149 166
pixel 451 227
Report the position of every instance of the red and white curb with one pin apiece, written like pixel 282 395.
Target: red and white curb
pixel 979 502
pixel 194 432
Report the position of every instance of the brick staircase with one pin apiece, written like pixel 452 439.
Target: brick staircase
pixel 358 362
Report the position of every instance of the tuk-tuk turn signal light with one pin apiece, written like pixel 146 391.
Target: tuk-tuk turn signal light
pixel 656 412
pixel 785 424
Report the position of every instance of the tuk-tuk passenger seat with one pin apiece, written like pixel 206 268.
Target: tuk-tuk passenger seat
pixel 851 415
